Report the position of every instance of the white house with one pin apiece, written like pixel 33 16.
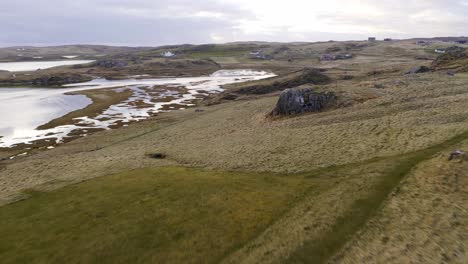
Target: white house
pixel 168 54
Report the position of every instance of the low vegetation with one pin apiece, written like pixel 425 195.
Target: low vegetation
pixel 306 76
pixel 322 249
pixel 365 181
pixel 164 215
pixel 455 59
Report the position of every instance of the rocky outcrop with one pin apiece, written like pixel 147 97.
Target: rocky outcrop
pixel 185 64
pixel 305 76
pixel 455 52
pixel 52 80
pixel 110 64
pixel 296 101
pixel 451 54
pixel 455 59
pixel 418 69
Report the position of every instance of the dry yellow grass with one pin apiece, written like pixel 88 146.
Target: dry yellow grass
pixel 409 114
pixel 425 221
pixel 314 215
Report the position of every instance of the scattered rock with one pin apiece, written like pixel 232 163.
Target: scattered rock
pixel 296 101
pixel 375 72
pixel 422 58
pixel 418 69
pixel 451 73
pixel 228 96
pixel 458 154
pixel 379 86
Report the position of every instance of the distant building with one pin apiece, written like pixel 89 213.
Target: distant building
pixel 259 56
pixel 168 54
pixel 439 50
pixel 372 39
pixel 387 39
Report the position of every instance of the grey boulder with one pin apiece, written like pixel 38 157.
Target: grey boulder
pixel 296 101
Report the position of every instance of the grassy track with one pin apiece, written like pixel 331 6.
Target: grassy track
pixel 320 250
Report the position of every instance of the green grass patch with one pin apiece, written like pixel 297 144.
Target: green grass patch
pixel 321 250
pixel 154 215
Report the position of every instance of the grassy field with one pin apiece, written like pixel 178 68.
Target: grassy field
pixel 164 215
pixel 322 249
pixel 365 182
pixel 424 220
pixel 182 215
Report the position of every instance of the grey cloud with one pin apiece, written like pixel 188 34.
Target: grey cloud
pixel 412 18
pixel 158 22
pixel 111 22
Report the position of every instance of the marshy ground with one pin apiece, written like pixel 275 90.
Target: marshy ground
pixel 366 182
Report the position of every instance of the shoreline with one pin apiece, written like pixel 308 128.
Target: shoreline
pixel 101 100
pixel 152 99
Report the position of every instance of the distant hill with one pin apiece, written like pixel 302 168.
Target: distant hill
pixel 450 39
pixel 22 53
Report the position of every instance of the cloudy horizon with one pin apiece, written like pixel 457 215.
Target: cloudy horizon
pixel 165 22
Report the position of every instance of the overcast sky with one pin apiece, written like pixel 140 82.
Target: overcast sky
pixel 160 22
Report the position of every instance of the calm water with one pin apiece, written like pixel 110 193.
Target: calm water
pixel 22 110
pixel 35 65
